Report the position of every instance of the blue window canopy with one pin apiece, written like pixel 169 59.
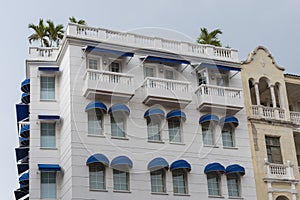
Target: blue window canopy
pixel 96 105
pixel 158 163
pixel 20 194
pixel 22 111
pixel 49 69
pixel 25 86
pixel 166 60
pixel 108 51
pixel 208 118
pixel 154 111
pixel 122 163
pixel 24 142
pixel 220 67
pixel 119 108
pixel 24 160
pixel 24 178
pixel 22 168
pixel 214 167
pixel 21 153
pixel 176 113
pixel 98 158
pixel 25 131
pixel 45 117
pixel 180 164
pixel 230 119
pixel 25 98
pixel 235 168
pixel 49 167
pixel 24 187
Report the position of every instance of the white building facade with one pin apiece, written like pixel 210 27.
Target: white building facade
pixel 112 115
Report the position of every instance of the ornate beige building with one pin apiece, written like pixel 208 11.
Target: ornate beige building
pixel 273 109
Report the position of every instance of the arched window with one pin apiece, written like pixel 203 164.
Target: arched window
pixel 264 91
pixel 175 119
pixel 213 173
pixel 282 198
pixel 233 174
pixel 208 123
pixel 97 164
pixel 154 117
pixel 95 111
pixel 228 130
pixel 121 166
pixel 158 168
pixel 118 117
pixel 180 169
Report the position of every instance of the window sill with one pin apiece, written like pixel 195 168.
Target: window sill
pixel 121 191
pixel 156 141
pixel 119 138
pixel 48 148
pixel 177 143
pixel 215 196
pixel 100 136
pixel 184 195
pixel 235 197
pixel 211 146
pixel 236 148
pixel 98 190
pixel 159 193
pixel 48 100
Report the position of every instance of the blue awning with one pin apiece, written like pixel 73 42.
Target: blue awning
pixel 176 113
pixel 24 160
pixel 24 141
pixel 49 69
pixel 25 98
pixel 214 167
pixel 24 187
pixel 20 194
pixel 121 162
pixel 24 178
pixel 230 119
pixel 208 117
pixel 96 105
pixel 49 167
pixel 21 153
pixel 22 111
pixel 25 86
pixel 119 108
pixel 109 51
pixel 154 111
pixel 220 67
pixel 167 60
pixel 98 158
pixel 49 117
pixel 25 131
pixel 235 168
pixel 22 168
pixel 180 164
pixel 158 163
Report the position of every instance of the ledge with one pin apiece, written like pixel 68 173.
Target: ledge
pixel 215 196
pixel 99 136
pixel 98 190
pixel 184 195
pixel 119 138
pixel 234 148
pixel 159 193
pixel 121 191
pixel 156 141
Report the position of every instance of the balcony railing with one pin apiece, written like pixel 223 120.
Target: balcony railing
pixel 166 91
pixel 46 53
pixel 295 117
pixel 218 97
pixel 279 171
pixel 259 111
pixel 108 84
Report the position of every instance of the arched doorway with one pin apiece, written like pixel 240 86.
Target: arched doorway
pixel 264 92
pixel 282 198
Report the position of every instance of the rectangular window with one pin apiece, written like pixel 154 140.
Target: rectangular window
pixel 158 182
pixel 121 180
pixel 228 135
pixel 179 181
pixel 233 184
pixel 47 88
pixel 48 138
pixel 174 130
pixel 169 74
pixel 95 122
pixel 48 185
pixel 202 77
pixel 149 72
pixel 213 184
pixel 153 128
pixel 117 126
pixel 97 176
pixel 115 67
pixel 207 134
pixel 273 149
pixel 93 64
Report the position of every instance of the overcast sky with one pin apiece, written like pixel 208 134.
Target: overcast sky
pixel 245 25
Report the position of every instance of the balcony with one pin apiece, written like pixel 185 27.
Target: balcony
pixel 166 92
pixel 295 117
pixel 108 85
pixel 217 98
pixel 269 113
pixel 279 171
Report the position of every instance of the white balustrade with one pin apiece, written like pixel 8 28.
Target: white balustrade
pixel 109 77
pixel 166 84
pixel 267 112
pixel 279 171
pixel 295 117
pixel 45 52
pixel 212 90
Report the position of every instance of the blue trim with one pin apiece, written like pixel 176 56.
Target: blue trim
pixel 25 86
pixel 214 167
pixel 167 60
pixel 154 111
pixel 21 153
pixel 119 108
pixel 176 113
pixel 49 167
pixel 22 168
pixel 109 51
pixel 221 67
pixel 98 158
pixel 25 98
pixel 121 161
pixel 180 164
pixel 235 168
pixel 49 69
pixel 25 131
pixel 158 163
pixel 24 142
pixel 230 119
pixel 48 117
pixel 208 117
pixel 96 105
pixel 22 111
pixel 24 178
pixel 20 194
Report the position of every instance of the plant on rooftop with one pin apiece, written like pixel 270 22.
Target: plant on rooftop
pixel 209 37
pixel 73 20
pixel 54 33
pixel 40 33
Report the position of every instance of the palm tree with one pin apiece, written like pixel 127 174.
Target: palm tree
pixel 54 33
pixel 73 20
pixel 209 38
pixel 39 34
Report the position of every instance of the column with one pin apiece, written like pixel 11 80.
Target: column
pixel 273 96
pixel 257 93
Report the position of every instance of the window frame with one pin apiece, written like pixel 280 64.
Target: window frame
pixel 237 178
pixel 153 67
pixel 119 61
pixel 269 151
pixel 218 178
pixel 228 129
pixel 211 127
pixel 95 112
pixel 171 121
pixel 98 59
pixel 42 145
pixel 156 120
pixel 162 173
pixel 46 93
pixel 42 194
pixel 185 181
pixel 127 181
pixel 205 75
pixel 101 168
pixel 118 116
